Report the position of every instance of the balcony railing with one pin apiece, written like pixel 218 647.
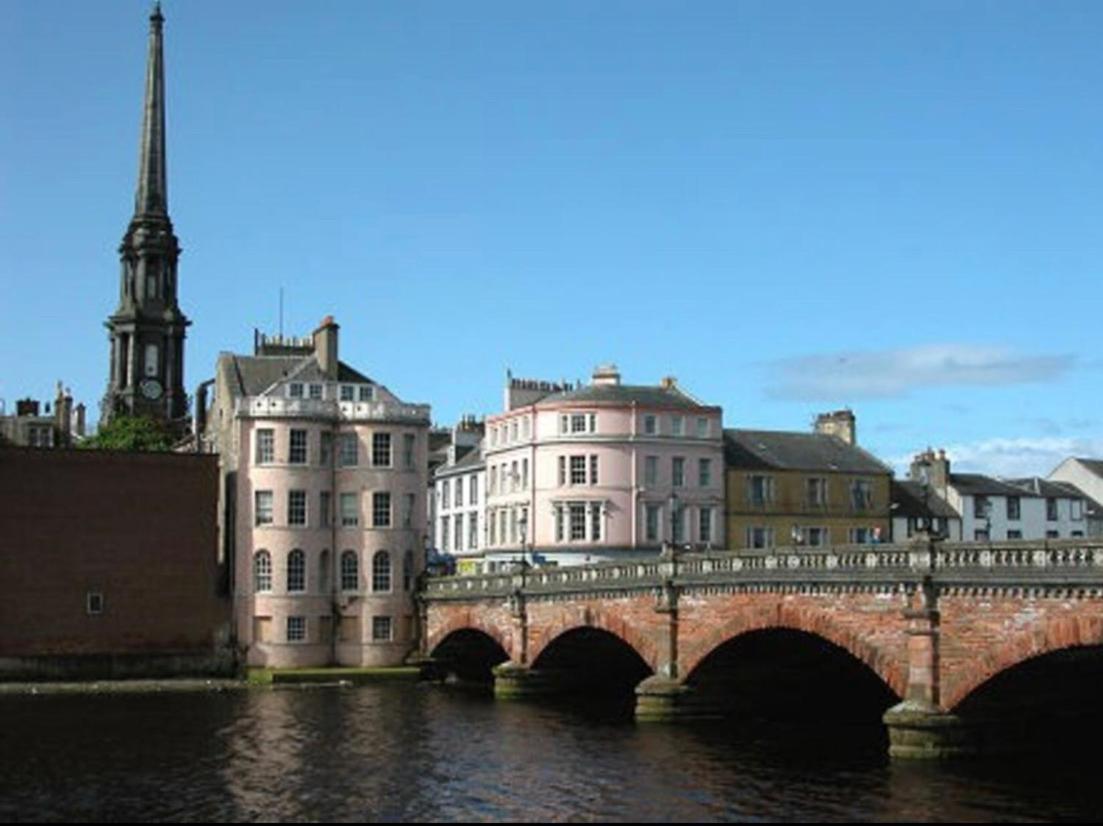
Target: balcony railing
pixel 277 406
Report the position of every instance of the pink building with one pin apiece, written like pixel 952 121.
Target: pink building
pixel 323 486
pixel 579 474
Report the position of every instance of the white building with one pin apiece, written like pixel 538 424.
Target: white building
pixel 996 510
pixel 1086 475
pixel 459 498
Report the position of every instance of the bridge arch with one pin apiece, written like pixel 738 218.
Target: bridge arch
pixel 611 623
pixel 1052 635
pixel 438 635
pixel 886 663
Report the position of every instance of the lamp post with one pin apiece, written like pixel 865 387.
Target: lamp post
pixel 672 502
pixel 523 525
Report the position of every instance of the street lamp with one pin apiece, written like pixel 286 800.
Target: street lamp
pixel 523 525
pixel 673 504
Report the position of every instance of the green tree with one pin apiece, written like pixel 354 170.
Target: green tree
pixel 132 433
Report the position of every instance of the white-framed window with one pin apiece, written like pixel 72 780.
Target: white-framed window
pixel 704 472
pixel 296 507
pixel 815 491
pixel 367 392
pixel 760 537
pixel 577 520
pixel 295 390
pixel 350 510
pixel 704 525
pixel 296 453
pixel 296 629
pixel 381 629
pixel 595 522
pixel 1014 508
pixel 473 491
pixel 381 450
pixel 492 538
pixel 513 525
pixel 562 471
pixel 457 533
pixel 861 494
pixel 93 603
pixel 650 425
pixel 381 509
pixel 350 571
pixel 266 446
pixel 459 492
pixel 560 516
pixel 262 572
pixel 316 392
pixel 263 507
pixel 503 515
pixel 1051 509
pixel 381 572
pixel 445 533
pixel 678 471
pixel 296 571
pixel 445 494
pixel 348 450
pixel 524 474
pixel 652 514
pixel 677 426
pixel 578 470
pixel 702 427
pixel 760 489
pixel 578 423
pixel 593 469
pixel 348 393
pixel 473 531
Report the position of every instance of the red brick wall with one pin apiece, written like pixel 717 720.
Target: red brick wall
pixel 139 528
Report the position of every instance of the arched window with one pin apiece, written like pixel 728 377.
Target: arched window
pixel 262 572
pixel 325 583
pixel 407 570
pixel 350 571
pixel 381 571
pixel 296 571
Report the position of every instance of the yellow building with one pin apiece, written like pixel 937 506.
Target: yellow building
pixel 808 489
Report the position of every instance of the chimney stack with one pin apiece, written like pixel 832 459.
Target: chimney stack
pixel 839 423
pixel 325 347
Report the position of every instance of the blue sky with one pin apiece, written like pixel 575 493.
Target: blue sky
pixel 789 206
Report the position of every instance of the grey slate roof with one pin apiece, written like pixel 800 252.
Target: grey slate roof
pixel 908 500
pixel 643 395
pixel 788 450
pixel 256 374
pixel 1044 487
pixel 470 460
pixel 976 484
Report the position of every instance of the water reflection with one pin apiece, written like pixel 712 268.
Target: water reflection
pixel 424 753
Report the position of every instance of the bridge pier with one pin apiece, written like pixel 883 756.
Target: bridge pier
pixel 918 728
pixel 519 682
pixel 662 699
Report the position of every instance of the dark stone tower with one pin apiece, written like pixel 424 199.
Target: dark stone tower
pixel 147 330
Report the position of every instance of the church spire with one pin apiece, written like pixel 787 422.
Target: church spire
pixel 151 197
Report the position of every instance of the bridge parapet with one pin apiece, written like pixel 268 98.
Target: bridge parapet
pixel 1063 562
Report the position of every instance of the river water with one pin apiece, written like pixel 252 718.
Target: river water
pixel 424 752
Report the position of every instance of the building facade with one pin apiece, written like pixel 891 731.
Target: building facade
pixel 810 489
pixel 459 496
pixel 324 474
pixel 917 509
pixel 586 473
pixel 1086 475
pixel 34 425
pixel 147 329
pixel 996 510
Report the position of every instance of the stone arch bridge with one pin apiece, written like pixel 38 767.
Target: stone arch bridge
pixel 933 621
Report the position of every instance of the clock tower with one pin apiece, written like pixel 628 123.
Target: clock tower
pixel 147 329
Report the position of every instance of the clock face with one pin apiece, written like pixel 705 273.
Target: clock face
pixel 151 389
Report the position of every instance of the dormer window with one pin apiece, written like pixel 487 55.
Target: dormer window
pixel 367 393
pixel 348 393
pixel 295 390
pixel 316 391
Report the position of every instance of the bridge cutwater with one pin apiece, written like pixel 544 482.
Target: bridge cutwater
pixel 934 621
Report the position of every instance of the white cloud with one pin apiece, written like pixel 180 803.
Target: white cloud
pixel 1012 457
pixel 843 377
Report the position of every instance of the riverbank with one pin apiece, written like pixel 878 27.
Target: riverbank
pixel 256 678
